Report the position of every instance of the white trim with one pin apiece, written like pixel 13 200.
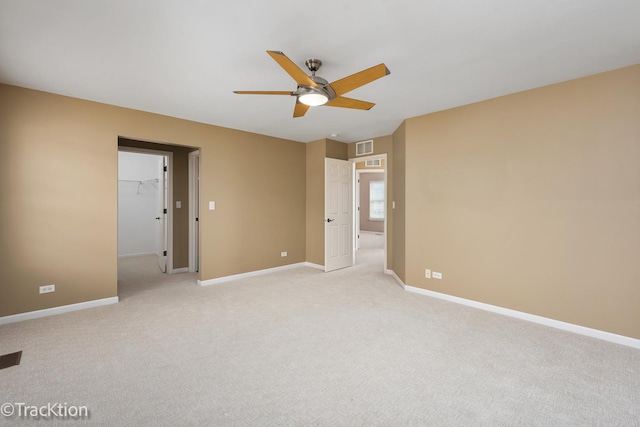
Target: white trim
pixel 312 265
pixel 356 210
pixel 137 255
pixel 57 310
pixel 570 327
pixel 194 187
pixel 180 270
pixel 250 274
pixel 368 170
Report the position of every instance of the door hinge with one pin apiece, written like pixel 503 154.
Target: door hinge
pixel 164 210
pixel 197 219
pixel 164 253
pixel 164 168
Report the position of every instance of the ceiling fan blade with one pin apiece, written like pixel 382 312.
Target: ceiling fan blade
pixel 356 80
pixel 263 92
pixel 291 68
pixel 300 109
pixel 343 102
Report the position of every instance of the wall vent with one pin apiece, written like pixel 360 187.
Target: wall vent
pixel 364 147
pixel 376 163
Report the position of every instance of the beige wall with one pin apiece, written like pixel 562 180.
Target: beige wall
pixel 58 181
pixel 180 250
pixel 315 154
pixel 397 185
pixel 532 201
pixel 336 149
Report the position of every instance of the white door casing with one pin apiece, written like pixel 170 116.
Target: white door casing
pixel 356 209
pixel 162 214
pixel 194 211
pixel 338 204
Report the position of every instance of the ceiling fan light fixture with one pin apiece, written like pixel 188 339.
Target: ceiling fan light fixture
pixel 312 96
pixel 313 99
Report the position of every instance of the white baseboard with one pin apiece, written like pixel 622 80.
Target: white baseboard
pixel 570 327
pixel 250 274
pixel 312 265
pixel 395 276
pixel 180 270
pixel 57 310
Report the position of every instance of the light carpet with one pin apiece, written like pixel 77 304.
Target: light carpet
pixel 304 347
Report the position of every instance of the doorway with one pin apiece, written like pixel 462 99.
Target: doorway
pixel 141 272
pixel 370 210
pixel 144 194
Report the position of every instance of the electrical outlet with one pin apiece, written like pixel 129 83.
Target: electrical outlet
pixel 283 254
pixel 437 275
pixel 427 273
pixel 47 288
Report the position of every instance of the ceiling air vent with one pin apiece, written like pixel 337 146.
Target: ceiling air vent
pixel 364 147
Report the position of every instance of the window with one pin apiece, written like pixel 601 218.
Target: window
pixel 376 201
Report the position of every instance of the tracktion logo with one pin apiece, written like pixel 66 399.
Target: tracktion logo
pixel 62 411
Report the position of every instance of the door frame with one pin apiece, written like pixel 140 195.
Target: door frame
pixel 194 211
pixel 355 160
pixel 169 156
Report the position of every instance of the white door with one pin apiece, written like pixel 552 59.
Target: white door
pixel 338 202
pixel 162 216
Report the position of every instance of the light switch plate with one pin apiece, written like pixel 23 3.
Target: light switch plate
pixel 212 206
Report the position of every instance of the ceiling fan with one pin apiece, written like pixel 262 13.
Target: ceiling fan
pixel 314 90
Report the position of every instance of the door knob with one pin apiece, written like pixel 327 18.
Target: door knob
pixel 158 218
pixel 329 219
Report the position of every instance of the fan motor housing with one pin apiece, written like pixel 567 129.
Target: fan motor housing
pixel 313 64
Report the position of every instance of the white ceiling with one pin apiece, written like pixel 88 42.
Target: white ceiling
pixel 183 58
